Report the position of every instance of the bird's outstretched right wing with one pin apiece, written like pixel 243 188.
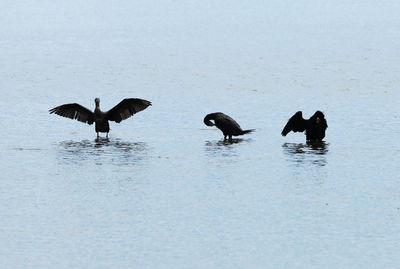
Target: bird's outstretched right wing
pixel 74 111
pixel 126 108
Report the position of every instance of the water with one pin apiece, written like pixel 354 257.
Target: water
pixel 164 191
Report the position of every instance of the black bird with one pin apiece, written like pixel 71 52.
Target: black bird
pixel 120 112
pixel 315 126
pixel 226 124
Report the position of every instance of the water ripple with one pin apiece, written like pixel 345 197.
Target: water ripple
pixel 306 153
pixel 101 151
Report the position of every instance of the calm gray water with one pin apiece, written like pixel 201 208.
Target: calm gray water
pixel 165 191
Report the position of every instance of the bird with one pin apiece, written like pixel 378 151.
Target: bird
pixel 125 109
pixel 315 126
pixel 226 124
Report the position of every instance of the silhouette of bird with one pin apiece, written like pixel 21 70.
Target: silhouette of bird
pixel 226 124
pixel 315 126
pixel 125 109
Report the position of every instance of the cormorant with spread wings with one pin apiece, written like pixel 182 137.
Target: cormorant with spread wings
pixel 125 109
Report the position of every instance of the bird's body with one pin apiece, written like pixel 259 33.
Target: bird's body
pixel 125 109
pixel 100 122
pixel 315 126
pixel 226 124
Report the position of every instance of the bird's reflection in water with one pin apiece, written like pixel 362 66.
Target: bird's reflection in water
pixel 103 151
pixel 306 153
pixel 225 148
pixel 101 141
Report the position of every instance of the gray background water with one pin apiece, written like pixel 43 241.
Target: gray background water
pixel 165 191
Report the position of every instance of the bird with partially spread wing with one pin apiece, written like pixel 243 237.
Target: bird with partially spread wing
pixel 315 126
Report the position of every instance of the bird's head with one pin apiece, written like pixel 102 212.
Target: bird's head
pixel 207 120
pixel 319 116
pixel 97 101
pixel 209 123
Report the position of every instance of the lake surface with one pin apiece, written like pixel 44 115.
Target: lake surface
pixel 165 191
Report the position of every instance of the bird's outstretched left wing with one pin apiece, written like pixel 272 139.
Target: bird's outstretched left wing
pixel 296 124
pixel 74 111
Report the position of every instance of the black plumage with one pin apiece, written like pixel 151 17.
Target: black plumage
pixel 125 109
pixel 226 124
pixel 315 126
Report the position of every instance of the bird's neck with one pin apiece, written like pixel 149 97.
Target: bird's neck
pixel 97 109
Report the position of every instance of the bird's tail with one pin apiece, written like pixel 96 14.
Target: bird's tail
pixel 248 131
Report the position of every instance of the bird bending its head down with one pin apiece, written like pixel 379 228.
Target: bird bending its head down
pixel 226 124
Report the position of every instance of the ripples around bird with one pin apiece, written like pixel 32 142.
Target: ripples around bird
pixel 224 147
pixel 306 153
pixel 102 150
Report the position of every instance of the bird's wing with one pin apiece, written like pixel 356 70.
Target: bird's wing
pixel 226 124
pixel 296 124
pixel 227 121
pixel 127 108
pixel 74 111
